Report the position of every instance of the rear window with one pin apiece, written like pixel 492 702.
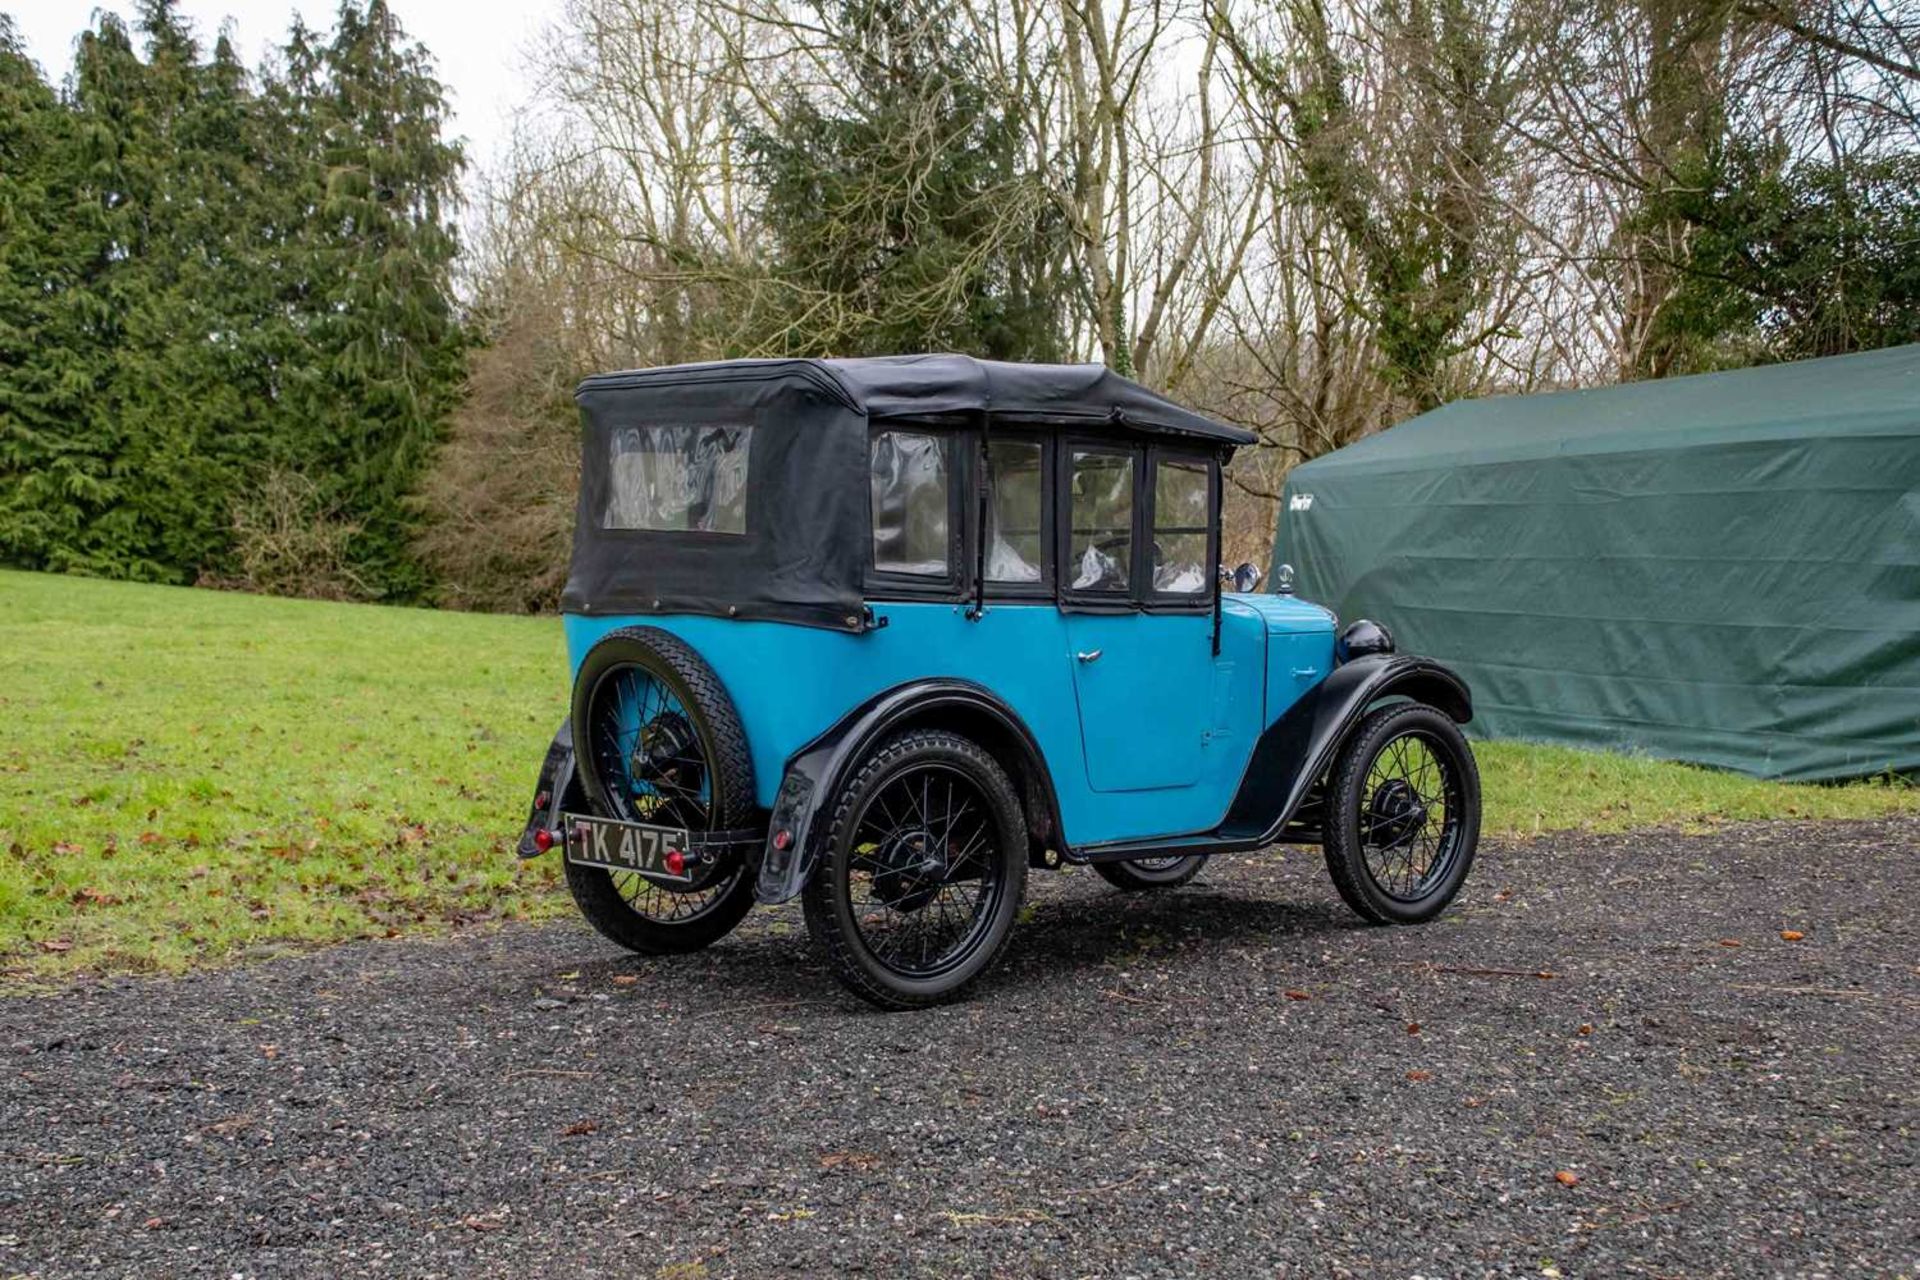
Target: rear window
pixel 678 479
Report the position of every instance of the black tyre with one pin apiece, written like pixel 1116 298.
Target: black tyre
pixel 658 740
pixel 923 872
pixel 1404 815
pixel 1151 873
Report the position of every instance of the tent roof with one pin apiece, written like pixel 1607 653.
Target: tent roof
pixel 1873 393
pixel 917 386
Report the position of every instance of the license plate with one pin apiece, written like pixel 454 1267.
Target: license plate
pixel 626 846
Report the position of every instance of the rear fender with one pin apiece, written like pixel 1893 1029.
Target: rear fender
pixel 802 809
pixel 557 792
pixel 1296 750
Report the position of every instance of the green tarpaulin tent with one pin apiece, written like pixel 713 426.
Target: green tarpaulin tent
pixel 1723 568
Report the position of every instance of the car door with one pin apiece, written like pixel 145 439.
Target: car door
pixel 1138 554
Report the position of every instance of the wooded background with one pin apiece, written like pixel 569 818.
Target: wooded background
pixel 242 341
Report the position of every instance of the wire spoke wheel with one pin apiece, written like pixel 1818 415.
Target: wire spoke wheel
pixel 1403 816
pixel 1162 871
pixel 660 743
pixel 1406 829
pixel 922 871
pixel 654 768
pixel 920 879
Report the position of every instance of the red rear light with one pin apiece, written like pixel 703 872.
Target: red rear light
pixel 543 839
pixel 676 862
pixel 783 840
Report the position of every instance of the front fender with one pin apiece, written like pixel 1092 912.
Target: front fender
pixel 799 825
pixel 1296 750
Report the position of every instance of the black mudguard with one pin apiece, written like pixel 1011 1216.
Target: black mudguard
pixel 816 773
pixel 557 792
pixel 1297 749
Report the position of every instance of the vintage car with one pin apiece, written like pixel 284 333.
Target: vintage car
pixel 885 634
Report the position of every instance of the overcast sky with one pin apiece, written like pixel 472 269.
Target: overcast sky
pixel 475 44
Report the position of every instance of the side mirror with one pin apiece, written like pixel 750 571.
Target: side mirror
pixel 1283 579
pixel 1245 578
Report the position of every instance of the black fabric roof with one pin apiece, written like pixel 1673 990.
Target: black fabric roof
pixel 919 386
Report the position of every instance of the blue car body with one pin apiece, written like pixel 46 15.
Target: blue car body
pixel 1151 740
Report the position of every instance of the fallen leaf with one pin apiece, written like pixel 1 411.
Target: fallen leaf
pixel 270 1051
pixel 1413 1028
pixel 624 979
pixel 154 1224
pixel 1586 1028
pixel 1791 935
pixel 1729 942
pixel 1476 1102
pixel 1296 995
pixel 1567 1178
pixel 849 1160
pixel 56 944
pixel 1418 1076
pixel 477 1222
pixel 580 1128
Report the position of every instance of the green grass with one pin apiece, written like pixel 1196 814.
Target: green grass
pixel 189 776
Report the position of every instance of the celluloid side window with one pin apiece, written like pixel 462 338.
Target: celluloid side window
pixel 678 478
pixel 1101 545
pixel 1180 528
pixel 1013 510
pixel 909 491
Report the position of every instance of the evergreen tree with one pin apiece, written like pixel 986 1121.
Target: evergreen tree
pixel 204 290
pixel 369 264
pixel 57 461
pixel 1792 258
pixel 902 217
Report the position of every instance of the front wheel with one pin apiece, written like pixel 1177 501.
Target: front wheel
pixel 926 863
pixel 1168 872
pixel 1404 815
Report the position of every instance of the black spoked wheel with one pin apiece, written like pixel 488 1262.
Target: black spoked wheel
pixel 916 893
pixel 660 742
pixel 1169 872
pixel 1405 815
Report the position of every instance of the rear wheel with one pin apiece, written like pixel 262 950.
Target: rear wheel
pixel 1151 873
pixel 659 741
pixel 926 863
pixel 1404 815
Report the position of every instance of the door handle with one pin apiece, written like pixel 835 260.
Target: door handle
pixel 1089 655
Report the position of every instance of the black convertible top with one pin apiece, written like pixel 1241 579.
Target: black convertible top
pixel 934 385
pixel 739 488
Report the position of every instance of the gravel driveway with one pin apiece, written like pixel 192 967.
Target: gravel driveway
pixel 1604 1061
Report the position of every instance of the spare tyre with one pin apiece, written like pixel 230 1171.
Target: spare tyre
pixel 658 740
